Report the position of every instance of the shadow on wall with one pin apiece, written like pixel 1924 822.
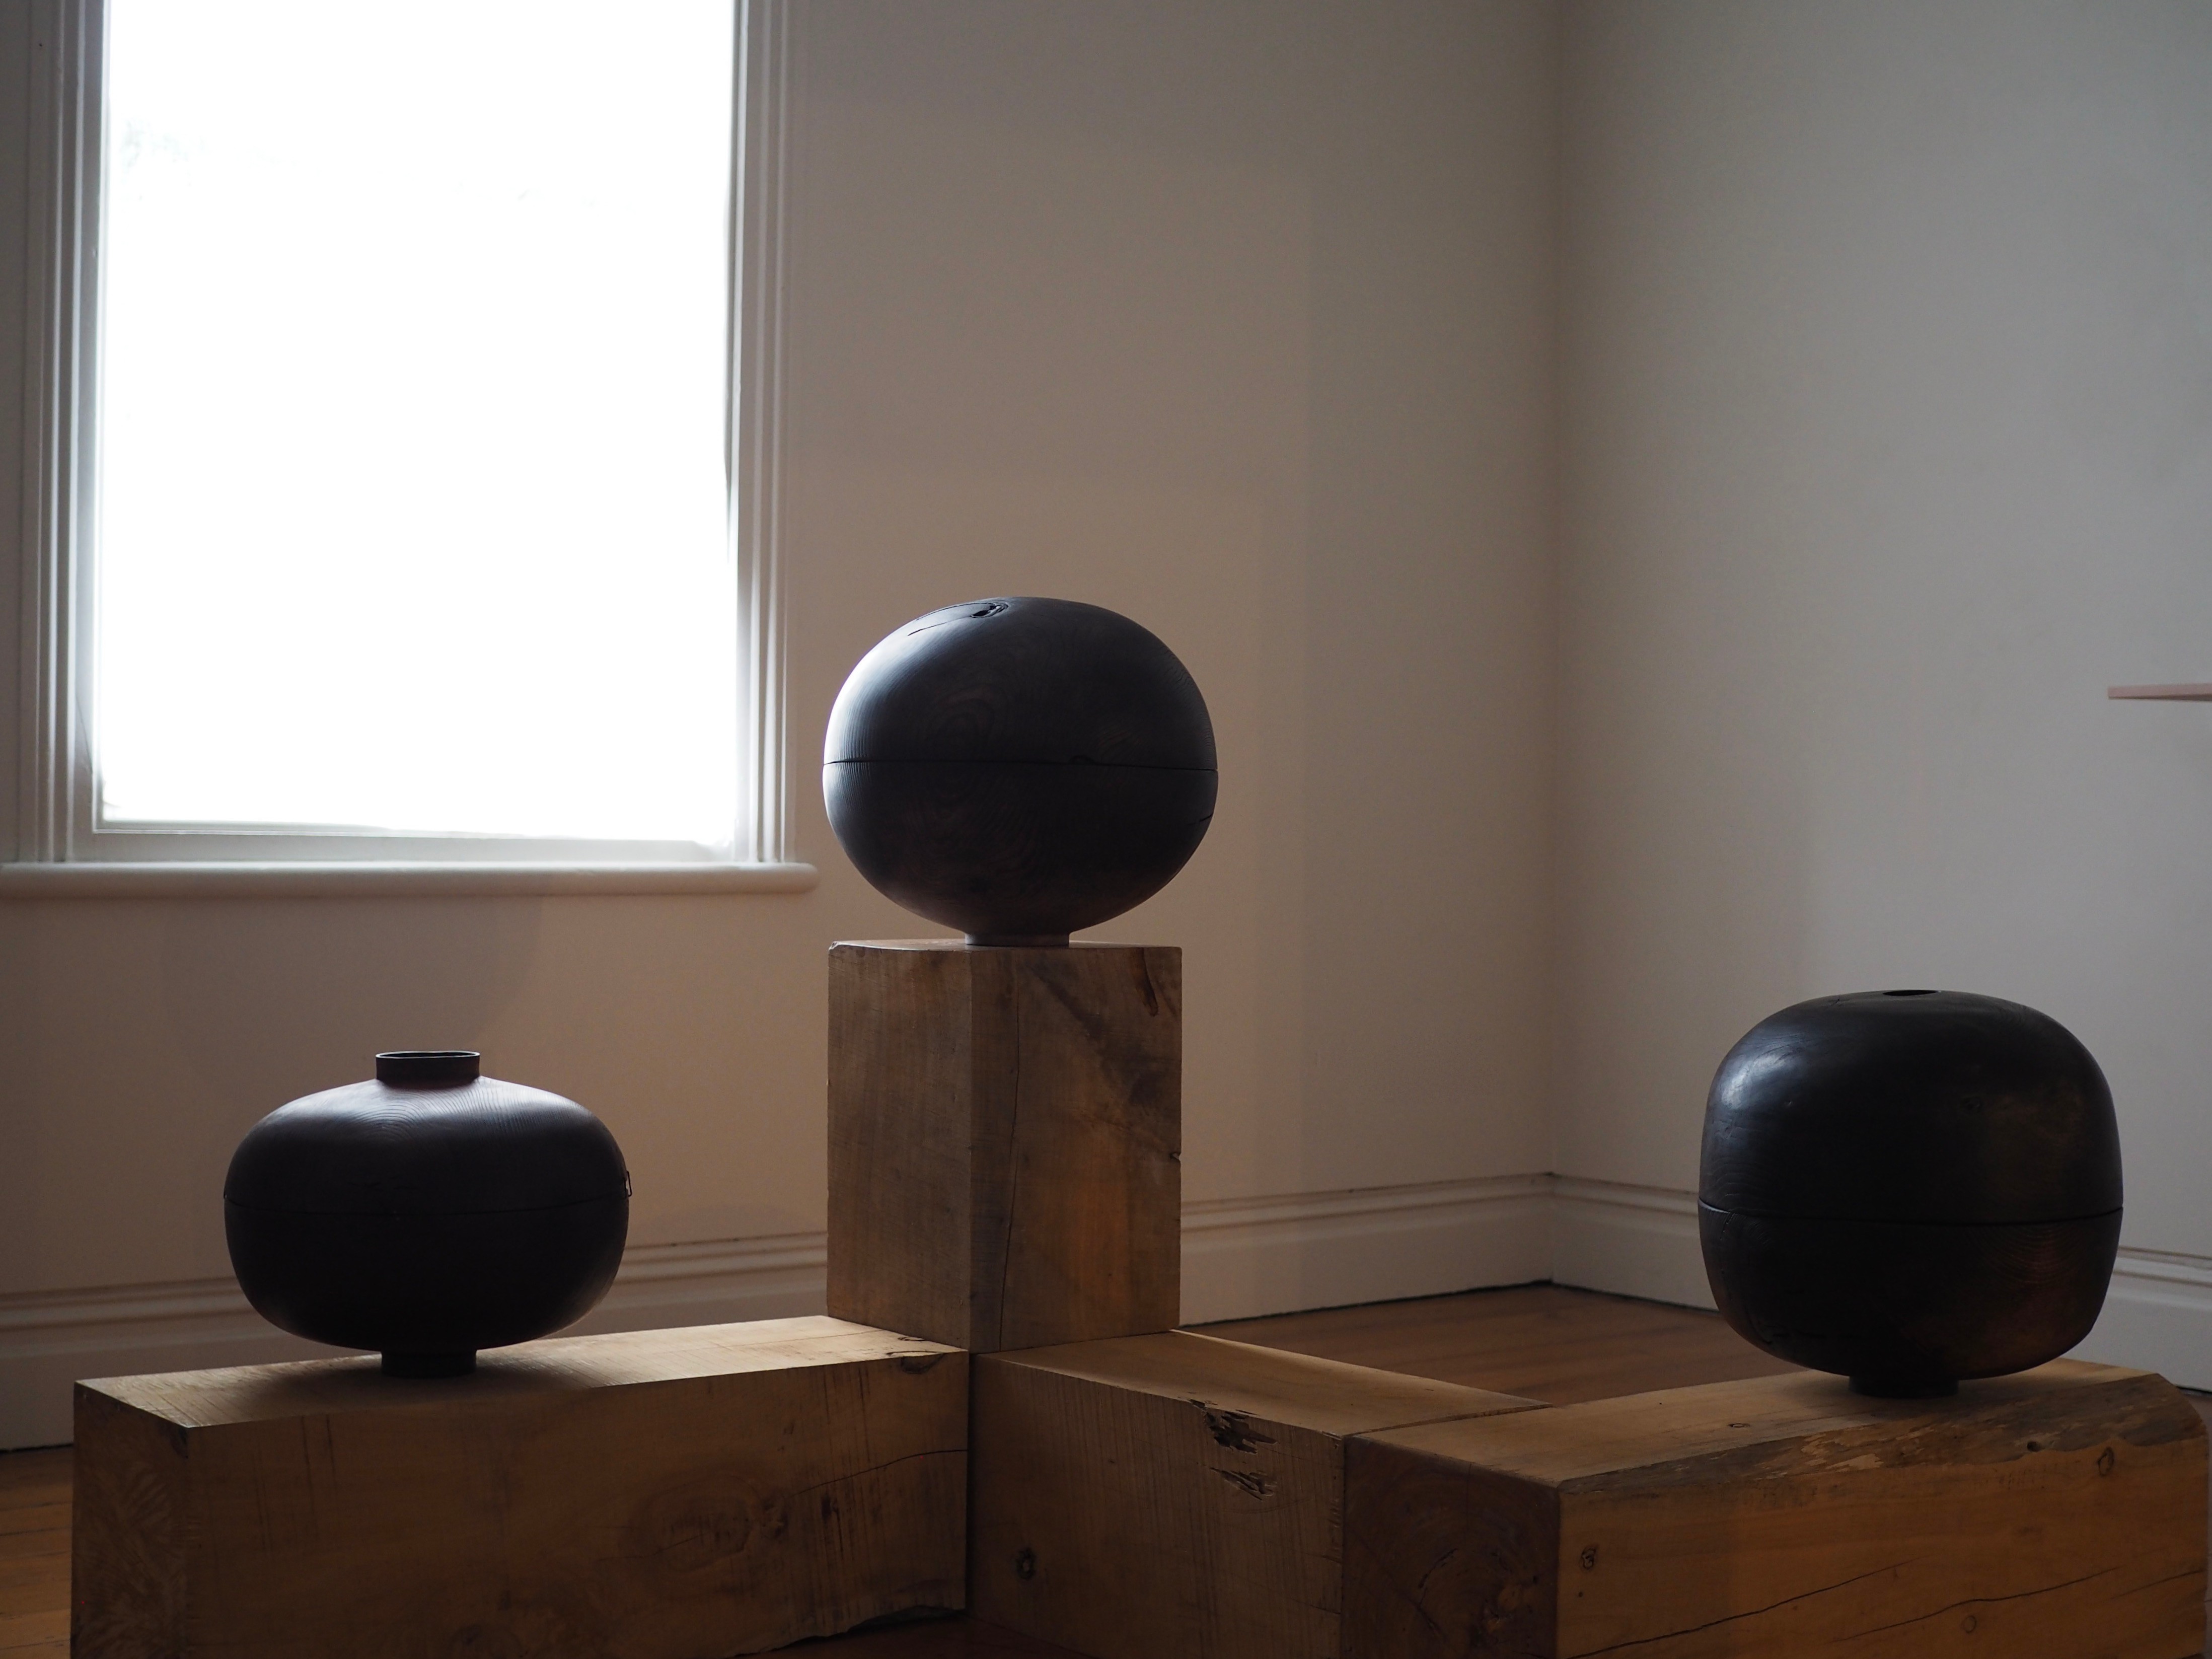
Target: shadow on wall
pixel 260 1003
pixel 267 1006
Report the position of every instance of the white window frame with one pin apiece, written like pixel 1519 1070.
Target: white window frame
pixel 51 843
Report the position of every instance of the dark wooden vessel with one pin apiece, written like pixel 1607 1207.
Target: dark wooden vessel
pixel 1019 768
pixel 426 1214
pixel 1910 1188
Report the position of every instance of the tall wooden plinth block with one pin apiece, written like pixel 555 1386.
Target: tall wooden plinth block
pixel 2061 1511
pixel 1159 1496
pixel 679 1494
pixel 1003 1130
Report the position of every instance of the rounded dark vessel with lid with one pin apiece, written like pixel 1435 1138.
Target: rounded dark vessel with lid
pixel 426 1214
pixel 1019 768
pixel 1910 1188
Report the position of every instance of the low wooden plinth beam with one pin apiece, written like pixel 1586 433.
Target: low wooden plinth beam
pixel 2058 1512
pixel 1003 1130
pixel 660 1495
pixel 1160 1496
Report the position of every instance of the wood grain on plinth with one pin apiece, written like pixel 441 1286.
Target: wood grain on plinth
pixel 655 1495
pixel 2059 1511
pixel 1158 1496
pixel 1004 1129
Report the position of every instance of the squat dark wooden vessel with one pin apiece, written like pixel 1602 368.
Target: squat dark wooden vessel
pixel 1019 768
pixel 1910 1188
pixel 426 1214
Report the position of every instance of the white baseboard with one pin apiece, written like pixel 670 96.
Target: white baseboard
pixel 1642 1241
pixel 1630 1241
pixel 2158 1315
pixel 1242 1258
pixel 714 1284
pixel 49 1340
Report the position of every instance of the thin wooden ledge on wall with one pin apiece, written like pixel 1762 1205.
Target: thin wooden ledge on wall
pixel 393 880
pixel 2159 693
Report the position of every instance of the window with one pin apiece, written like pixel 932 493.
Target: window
pixel 406 483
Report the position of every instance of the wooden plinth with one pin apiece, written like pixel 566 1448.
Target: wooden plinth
pixel 1004 1128
pixel 660 1495
pixel 1159 1496
pixel 2058 1512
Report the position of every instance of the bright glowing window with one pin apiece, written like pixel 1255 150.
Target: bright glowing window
pixel 412 512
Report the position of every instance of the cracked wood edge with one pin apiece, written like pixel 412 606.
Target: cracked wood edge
pixel 1177 1494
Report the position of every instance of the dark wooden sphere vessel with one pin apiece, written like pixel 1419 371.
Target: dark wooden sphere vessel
pixel 426 1214
pixel 1018 769
pixel 1910 1188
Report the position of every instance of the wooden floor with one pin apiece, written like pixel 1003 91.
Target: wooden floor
pixel 34 1520
pixel 1548 1344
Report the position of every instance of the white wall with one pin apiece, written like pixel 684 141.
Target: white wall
pixel 1887 446
pixel 1235 317
pixel 1874 342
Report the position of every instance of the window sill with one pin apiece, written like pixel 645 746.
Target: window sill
pixel 52 881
